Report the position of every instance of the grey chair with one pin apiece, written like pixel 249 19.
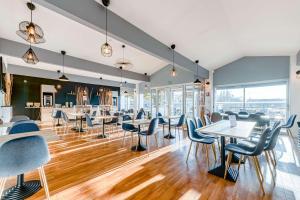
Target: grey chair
pixel 66 122
pixel 179 125
pixel 90 125
pixel 19 156
pixel 215 117
pixel 18 118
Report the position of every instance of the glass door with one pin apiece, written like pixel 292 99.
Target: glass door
pixel 162 101
pixel 176 104
pixel 189 101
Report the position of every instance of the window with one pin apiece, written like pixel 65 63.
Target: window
pixel 270 99
pixel 147 100
pixel 176 107
pixel 189 101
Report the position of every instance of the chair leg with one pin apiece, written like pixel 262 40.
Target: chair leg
pixel 148 144
pixel 207 156
pixel 124 135
pixel 214 151
pixel 42 171
pixel 274 156
pixel 269 165
pixel 258 167
pixel 240 160
pixel 155 135
pixel 229 157
pixel 197 147
pixel 219 147
pixel 258 176
pixel 189 151
pixel 271 158
pixel 2 184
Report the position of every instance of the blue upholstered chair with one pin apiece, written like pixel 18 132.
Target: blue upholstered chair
pixel 90 125
pixel 179 124
pixel 17 118
pixel 22 155
pixel 243 113
pixel 23 127
pixel 252 152
pixel 161 121
pixel 113 122
pixel 289 124
pixel 140 115
pixel 128 128
pixel 207 120
pixel 66 122
pixel 199 138
pixel 56 115
pixel 152 130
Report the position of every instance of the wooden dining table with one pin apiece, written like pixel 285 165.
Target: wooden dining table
pixel 242 130
pixel 76 115
pixel 138 123
pixel 103 118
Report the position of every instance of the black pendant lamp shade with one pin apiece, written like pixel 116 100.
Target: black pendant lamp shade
pixel 30 57
pixel 121 83
pixel 30 31
pixel 197 82
pixel 106 49
pixel 173 72
pixel 63 76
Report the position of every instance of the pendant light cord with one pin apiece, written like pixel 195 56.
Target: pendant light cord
pixel 31 12
pixel 106 23
pixel 173 59
pixel 63 64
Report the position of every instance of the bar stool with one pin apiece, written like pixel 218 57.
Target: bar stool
pixel 22 155
pixel 56 114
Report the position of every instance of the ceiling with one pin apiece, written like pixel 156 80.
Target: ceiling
pixel 77 40
pixel 218 32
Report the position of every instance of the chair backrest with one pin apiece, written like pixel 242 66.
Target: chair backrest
pixel 198 122
pixel 65 117
pixel 291 121
pixel 18 118
pixel 22 155
pixel 126 117
pixel 181 120
pixel 243 113
pixel 254 117
pixel 271 143
pixel 260 113
pixel 161 120
pixel 275 125
pixel 229 112
pixel 107 112
pixel 56 113
pixel 191 128
pixel 116 118
pixel 152 126
pixel 140 115
pixel 23 127
pixel 215 117
pixel 207 120
pixel 261 143
pixel 88 120
pixel 94 113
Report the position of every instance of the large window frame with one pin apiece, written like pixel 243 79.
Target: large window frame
pixel 253 85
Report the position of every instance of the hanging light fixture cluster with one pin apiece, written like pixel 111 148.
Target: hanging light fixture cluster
pixel 173 72
pixel 106 49
pixel 63 76
pixel 31 33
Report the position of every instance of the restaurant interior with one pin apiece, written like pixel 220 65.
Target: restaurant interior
pixel 101 99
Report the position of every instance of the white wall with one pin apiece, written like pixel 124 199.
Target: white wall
pixel 294 92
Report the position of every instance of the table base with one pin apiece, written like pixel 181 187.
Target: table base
pixel 102 136
pixel 219 171
pixel 24 191
pixel 139 147
pixel 169 136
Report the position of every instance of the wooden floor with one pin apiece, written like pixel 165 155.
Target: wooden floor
pixel 83 167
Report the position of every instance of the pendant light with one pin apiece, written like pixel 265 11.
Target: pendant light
pixel 173 72
pixel 197 82
pixel 106 49
pixel 30 57
pixel 63 77
pixel 30 31
pixel 125 63
pixel 125 83
pixel 121 83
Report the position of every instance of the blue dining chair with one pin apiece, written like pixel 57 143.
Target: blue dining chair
pixel 23 127
pixel 199 138
pixel 18 118
pixel 215 117
pixel 152 130
pixel 247 151
pixel 56 115
pixel 128 128
pixel 90 125
pixel 179 125
pixel 289 124
pixel 22 155
pixel 207 120
pixel 162 121
pixel 140 115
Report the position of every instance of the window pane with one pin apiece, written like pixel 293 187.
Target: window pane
pixel 162 95
pixel 189 104
pixel 271 100
pixel 176 101
pixel 229 99
pixel 147 100
pixel 153 102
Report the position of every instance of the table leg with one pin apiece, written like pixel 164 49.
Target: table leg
pixel 235 157
pixel 58 124
pixel 80 128
pixel 22 189
pixel 75 128
pixel 103 135
pixel 169 136
pixel 232 174
pixel 139 147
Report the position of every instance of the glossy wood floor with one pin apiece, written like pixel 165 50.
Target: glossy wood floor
pixel 83 167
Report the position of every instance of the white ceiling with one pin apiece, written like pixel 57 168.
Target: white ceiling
pixel 77 40
pixel 218 32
